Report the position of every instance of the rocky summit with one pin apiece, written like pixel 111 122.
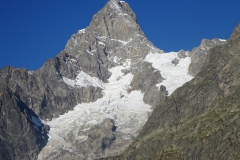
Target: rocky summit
pixel 93 99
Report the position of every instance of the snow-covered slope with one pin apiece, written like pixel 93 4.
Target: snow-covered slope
pixel 175 75
pixel 126 108
pixel 119 103
pixel 83 80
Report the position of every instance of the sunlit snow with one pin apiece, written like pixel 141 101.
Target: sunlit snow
pixel 223 40
pixel 81 31
pixel 83 80
pixel 175 76
pixel 125 107
pixel 114 5
pixel 123 42
pixel 119 102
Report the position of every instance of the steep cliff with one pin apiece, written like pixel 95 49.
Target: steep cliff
pixel 22 134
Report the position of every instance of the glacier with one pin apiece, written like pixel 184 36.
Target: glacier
pixel 119 102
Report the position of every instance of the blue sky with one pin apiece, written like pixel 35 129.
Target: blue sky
pixel 33 31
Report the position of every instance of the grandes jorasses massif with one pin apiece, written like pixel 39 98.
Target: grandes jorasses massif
pixel 94 97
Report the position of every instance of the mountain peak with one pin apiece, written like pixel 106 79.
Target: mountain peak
pixel 101 89
pixel 121 8
pixel 119 5
pixel 236 32
pixel 115 4
pixel 115 1
pixel 112 31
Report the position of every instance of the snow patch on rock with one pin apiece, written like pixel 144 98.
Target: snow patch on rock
pixel 223 40
pixel 81 31
pixel 83 80
pixel 126 108
pixel 175 76
pixel 114 5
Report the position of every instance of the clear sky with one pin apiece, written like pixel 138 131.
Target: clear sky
pixel 33 31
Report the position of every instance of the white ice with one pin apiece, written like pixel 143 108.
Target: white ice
pixel 119 103
pixel 83 80
pixel 126 108
pixel 114 5
pixel 175 76
pixel 81 31
pixel 222 40
pixel 123 42
pixel 101 43
pixel 89 52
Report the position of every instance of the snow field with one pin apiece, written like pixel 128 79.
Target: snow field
pixel 127 109
pixel 175 76
pixel 83 80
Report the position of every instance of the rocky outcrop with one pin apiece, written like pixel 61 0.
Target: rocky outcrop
pixel 183 54
pixel 57 96
pixel 41 93
pixel 199 54
pixel 200 119
pixel 100 137
pixel 145 79
pixel 21 135
pixel 44 90
pixel 112 37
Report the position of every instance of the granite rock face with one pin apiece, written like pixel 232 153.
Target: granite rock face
pixel 182 54
pixel 200 120
pixel 44 90
pixel 22 136
pixel 199 54
pixel 40 94
pixel 145 79
pixel 112 37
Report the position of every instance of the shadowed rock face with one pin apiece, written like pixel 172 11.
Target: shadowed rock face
pixel 25 94
pixel 201 119
pixel 20 138
pixel 199 54
pixel 44 90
